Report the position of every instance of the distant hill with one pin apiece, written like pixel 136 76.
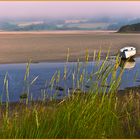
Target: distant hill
pixel 133 28
pixel 33 27
pixel 122 22
pixel 67 24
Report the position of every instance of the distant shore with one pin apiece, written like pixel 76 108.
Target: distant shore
pixel 52 46
pixel 58 32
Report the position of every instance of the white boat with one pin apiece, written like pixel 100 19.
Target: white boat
pixel 127 52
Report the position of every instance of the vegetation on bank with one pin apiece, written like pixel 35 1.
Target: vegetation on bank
pixel 133 28
pixel 100 112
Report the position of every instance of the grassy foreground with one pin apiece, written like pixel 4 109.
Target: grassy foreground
pixel 99 113
pixel 89 116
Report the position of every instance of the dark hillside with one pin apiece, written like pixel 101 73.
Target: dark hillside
pixel 133 28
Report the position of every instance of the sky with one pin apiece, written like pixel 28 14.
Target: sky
pixel 59 9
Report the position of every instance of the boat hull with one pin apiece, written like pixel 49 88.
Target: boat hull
pixel 128 54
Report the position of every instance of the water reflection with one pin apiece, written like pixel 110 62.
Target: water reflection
pixel 127 64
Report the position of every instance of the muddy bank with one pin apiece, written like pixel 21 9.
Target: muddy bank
pixel 52 46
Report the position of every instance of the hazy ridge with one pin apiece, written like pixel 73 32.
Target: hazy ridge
pixel 65 24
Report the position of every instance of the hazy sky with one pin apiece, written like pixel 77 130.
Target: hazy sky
pixel 65 9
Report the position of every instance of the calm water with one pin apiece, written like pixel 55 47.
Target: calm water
pixel 41 87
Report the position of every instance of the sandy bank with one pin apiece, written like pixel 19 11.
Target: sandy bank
pixel 17 47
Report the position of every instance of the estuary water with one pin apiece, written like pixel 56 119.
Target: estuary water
pixel 46 79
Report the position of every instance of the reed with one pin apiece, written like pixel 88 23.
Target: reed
pixel 99 112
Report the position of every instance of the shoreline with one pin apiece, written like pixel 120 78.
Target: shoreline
pixel 49 32
pixel 74 60
pixel 49 102
pixel 58 32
